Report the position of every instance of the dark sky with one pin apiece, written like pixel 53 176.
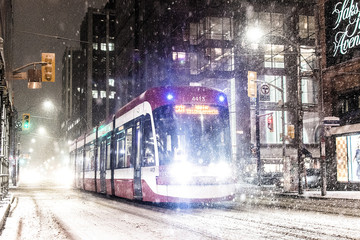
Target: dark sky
pixel 51 17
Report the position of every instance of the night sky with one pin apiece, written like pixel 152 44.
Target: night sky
pixel 50 17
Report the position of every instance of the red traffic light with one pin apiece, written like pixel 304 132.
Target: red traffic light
pixel 270 121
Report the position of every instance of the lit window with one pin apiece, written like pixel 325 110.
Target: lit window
pixel 95 93
pixel 274 56
pixel 102 94
pixel 179 57
pixel 308 59
pixel 111 82
pixel 219 28
pixel 95 46
pixel 111 46
pixel 306 26
pixel 112 95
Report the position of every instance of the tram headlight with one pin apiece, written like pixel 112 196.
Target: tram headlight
pixel 181 172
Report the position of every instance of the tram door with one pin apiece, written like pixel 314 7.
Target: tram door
pixel 102 166
pixel 137 163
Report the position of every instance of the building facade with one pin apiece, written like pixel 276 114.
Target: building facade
pixel 205 43
pixel 8 116
pixel 89 87
pixel 341 96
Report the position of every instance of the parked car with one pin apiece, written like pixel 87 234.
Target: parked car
pixel 273 178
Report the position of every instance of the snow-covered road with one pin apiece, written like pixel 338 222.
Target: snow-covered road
pixel 64 213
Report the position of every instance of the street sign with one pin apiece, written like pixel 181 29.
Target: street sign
pixel 331 121
pixel 265 89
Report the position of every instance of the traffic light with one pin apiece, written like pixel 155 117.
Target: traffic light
pixel 25 121
pixel 270 121
pixel 291 131
pixel 252 84
pixel 48 70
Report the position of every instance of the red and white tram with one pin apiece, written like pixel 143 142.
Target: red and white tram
pixel 170 144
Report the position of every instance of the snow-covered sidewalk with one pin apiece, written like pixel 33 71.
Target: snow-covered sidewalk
pixel 4 208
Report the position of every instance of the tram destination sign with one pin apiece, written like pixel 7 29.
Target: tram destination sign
pixel 342 21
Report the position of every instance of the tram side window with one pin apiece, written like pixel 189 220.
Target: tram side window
pixel 98 158
pixel 120 161
pixel 92 158
pixel 149 153
pixel 108 152
pixel 128 146
pixel 87 159
pixel 103 155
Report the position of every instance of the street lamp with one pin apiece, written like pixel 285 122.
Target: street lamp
pixel 42 131
pixel 48 105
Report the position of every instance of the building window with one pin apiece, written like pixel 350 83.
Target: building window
pixel 95 46
pixel 95 94
pixel 307 26
pixel 310 122
pixel 274 56
pixel 194 69
pixel 269 23
pixel 308 59
pixel 221 59
pixel 112 95
pixel 179 57
pixel 102 94
pixel 194 31
pixel 309 91
pixel 111 82
pixel 274 136
pixel 111 46
pixel 219 28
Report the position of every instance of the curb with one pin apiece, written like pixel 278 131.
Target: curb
pixel 5 205
pixel 297 196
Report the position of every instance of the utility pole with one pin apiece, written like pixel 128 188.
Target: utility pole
pixel 257 126
pixel 299 123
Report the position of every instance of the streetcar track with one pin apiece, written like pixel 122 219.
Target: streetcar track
pixel 173 224
pixel 270 219
pixel 259 225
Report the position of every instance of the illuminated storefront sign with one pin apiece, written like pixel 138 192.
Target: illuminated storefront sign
pixel 348 158
pixel 342 20
pixel 196 109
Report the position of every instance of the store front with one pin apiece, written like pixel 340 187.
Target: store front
pixel 346 157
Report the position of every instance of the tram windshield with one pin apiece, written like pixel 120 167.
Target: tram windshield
pixel 196 134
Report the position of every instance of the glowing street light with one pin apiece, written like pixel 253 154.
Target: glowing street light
pixel 254 34
pixel 48 105
pixel 42 131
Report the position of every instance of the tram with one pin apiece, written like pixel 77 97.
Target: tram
pixel 170 144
